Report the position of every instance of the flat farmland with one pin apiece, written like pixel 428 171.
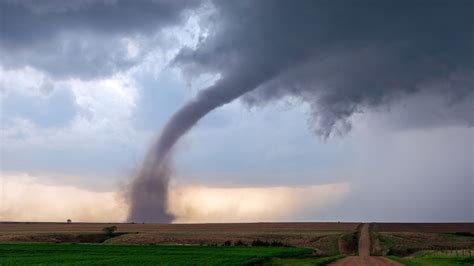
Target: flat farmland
pixel 423 227
pixel 242 243
pixel 202 227
pixel 322 237
pixel 325 238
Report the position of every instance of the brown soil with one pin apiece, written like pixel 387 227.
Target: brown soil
pixel 364 258
pixel 185 228
pixel 364 241
pixel 54 237
pixel 365 261
pixel 424 227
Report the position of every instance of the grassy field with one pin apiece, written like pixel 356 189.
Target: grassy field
pixel 433 258
pixel 101 254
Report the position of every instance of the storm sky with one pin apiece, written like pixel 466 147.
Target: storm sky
pixel 355 110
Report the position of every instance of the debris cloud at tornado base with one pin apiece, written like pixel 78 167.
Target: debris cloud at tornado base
pixel 338 58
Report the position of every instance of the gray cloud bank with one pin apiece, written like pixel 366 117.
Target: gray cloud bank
pixel 82 39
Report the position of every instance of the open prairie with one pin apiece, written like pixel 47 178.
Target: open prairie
pixel 327 238
pixel 322 237
pixel 424 227
pixel 321 241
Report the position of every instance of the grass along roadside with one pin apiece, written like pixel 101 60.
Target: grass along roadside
pixel 349 242
pixel 434 258
pixel 379 246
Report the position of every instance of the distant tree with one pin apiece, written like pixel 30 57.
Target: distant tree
pixel 277 244
pixel 109 230
pixel 260 243
pixel 228 243
pixel 239 243
pixel 69 221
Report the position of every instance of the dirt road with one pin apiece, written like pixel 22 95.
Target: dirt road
pixel 364 258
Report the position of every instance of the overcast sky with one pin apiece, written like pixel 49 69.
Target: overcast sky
pixel 367 106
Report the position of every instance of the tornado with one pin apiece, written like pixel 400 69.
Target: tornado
pixel 149 190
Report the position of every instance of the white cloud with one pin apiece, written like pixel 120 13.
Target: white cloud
pixel 106 99
pixel 24 199
pixel 251 204
pixel 105 111
pixel 26 80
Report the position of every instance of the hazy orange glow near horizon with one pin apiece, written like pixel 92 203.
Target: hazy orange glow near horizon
pixel 23 199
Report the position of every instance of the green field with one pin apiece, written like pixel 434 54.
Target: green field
pixel 100 254
pixel 429 258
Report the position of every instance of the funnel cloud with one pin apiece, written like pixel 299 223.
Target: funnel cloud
pixel 149 190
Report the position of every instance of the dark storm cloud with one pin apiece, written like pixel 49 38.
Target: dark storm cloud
pixel 339 56
pixel 81 38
